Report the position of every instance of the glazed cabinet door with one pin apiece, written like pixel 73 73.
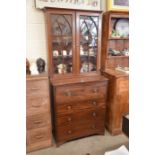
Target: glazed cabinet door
pixel 88 41
pixel 61 38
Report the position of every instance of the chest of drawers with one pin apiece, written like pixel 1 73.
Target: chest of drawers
pixel 117 100
pixel 38 113
pixel 79 109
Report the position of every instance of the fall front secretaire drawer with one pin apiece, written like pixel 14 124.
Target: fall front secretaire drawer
pixel 78 92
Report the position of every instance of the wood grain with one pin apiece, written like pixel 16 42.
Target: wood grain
pixel 38 113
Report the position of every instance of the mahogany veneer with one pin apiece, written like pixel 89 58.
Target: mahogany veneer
pixel 79 109
pixel 78 89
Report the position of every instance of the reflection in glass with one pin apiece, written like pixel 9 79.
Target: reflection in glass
pixel 62 43
pixel 88 43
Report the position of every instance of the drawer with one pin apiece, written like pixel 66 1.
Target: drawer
pixel 96 115
pixel 38 138
pixel 65 108
pixel 37 105
pixel 37 88
pixel 79 130
pixel 78 92
pixel 37 121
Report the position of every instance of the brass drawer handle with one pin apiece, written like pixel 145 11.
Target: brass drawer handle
pixel 39 136
pixel 69 94
pixel 94 114
pixel 35 89
pixel 69 119
pixel 36 105
pixel 69 107
pixel 94 103
pixel 93 126
pixel 42 102
pixel 95 90
pixel 69 131
pixel 37 122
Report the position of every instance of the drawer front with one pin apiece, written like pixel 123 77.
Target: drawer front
pixel 37 88
pixel 80 92
pixel 37 105
pixel 38 135
pixel 96 115
pixel 123 85
pixel 37 121
pixel 65 108
pixel 70 132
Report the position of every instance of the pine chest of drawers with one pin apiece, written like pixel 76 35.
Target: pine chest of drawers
pixel 117 100
pixel 38 113
pixel 79 109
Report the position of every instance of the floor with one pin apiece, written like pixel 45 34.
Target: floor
pixel 95 145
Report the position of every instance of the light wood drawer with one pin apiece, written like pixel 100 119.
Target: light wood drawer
pixel 37 105
pixel 38 138
pixel 78 92
pixel 81 117
pixel 73 107
pixel 37 121
pixel 37 88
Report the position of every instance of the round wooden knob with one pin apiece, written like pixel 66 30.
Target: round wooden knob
pixel 95 90
pixel 94 114
pixel 93 126
pixel 69 107
pixel 69 119
pixel 94 102
pixel 69 94
pixel 69 131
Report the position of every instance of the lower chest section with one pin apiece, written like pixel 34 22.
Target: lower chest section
pixel 79 110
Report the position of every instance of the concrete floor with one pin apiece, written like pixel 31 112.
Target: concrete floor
pixel 95 145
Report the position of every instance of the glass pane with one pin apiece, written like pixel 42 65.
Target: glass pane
pixel 118 47
pixel 119 28
pixel 88 43
pixel 62 43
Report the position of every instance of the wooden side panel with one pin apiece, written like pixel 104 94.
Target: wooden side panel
pixel 117 103
pixel 38 114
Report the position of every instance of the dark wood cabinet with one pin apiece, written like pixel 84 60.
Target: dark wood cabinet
pixel 79 108
pixel 115 66
pixel 74 41
pixel 78 89
pixel 38 113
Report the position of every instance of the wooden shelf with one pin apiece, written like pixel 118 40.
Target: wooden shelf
pixel 65 56
pixel 124 38
pixel 68 36
pixel 121 56
pixel 88 55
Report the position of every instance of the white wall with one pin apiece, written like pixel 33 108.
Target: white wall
pixel 36 35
